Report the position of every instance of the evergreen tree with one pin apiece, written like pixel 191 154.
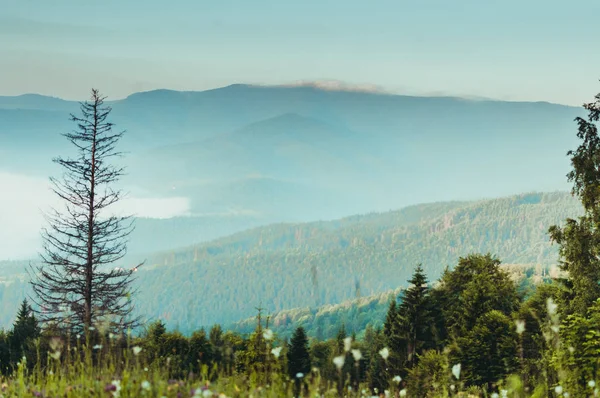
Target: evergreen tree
pixel 395 341
pixel 579 240
pixel 24 331
pixel 298 359
pixel 256 353
pixel 77 285
pixel 476 286
pixel 415 316
pixel 488 353
pixel 4 353
pixel 201 352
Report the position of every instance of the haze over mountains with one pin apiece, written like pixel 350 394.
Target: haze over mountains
pixel 245 155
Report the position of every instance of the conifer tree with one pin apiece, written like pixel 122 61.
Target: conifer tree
pixel 415 318
pixel 76 285
pixel 395 341
pixel 24 330
pixel 298 359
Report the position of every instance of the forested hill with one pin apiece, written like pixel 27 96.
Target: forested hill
pixel 285 266
pixel 357 314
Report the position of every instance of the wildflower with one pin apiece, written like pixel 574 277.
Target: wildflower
pixel 558 389
pixel 339 362
pixel 276 352
pixel 385 353
pixel 554 328
pixel 97 347
pixel 551 305
pixel 520 326
pixel 111 336
pixel 299 375
pixel 55 343
pixel 591 384
pixel 268 334
pixel 397 379
pixel 347 344
pixel 495 395
pixel 504 393
pixel 146 385
pixel 357 355
pixel 452 387
pixel 456 371
pixel 145 369
pixel 566 394
pixel 386 393
pixel 78 336
pixel 403 392
pixel 571 349
pixel 55 355
pixel 136 350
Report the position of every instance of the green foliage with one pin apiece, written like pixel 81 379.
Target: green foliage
pixel 579 355
pixel 429 378
pixel 416 316
pixel 277 260
pixel 475 287
pixel 579 240
pixel 488 352
pixel 298 359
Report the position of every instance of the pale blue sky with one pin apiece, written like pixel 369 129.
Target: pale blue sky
pixel 509 49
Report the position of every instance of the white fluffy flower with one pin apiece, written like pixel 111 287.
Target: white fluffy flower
pixel 558 389
pixel 520 326
pixel 456 371
pixel 347 344
pixel 276 352
pixel 146 385
pixel 403 392
pixel 591 384
pixel 136 350
pixel 397 379
pixel 357 355
pixel 385 353
pixel 339 361
pixel 268 334
pixel 551 305
pixel 299 375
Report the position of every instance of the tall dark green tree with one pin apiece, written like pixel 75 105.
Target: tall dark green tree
pixel 579 240
pixel 395 341
pixel 298 359
pixel 476 286
pixel 24 331
pixel 489 350
pixel 415 318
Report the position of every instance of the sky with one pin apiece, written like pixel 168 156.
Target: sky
pixel 533 50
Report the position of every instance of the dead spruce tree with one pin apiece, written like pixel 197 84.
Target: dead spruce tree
pixel 76 285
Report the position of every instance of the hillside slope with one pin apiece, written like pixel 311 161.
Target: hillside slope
pixel 295 265
pixel 284 266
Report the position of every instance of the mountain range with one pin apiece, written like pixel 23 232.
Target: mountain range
pixel 305 153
